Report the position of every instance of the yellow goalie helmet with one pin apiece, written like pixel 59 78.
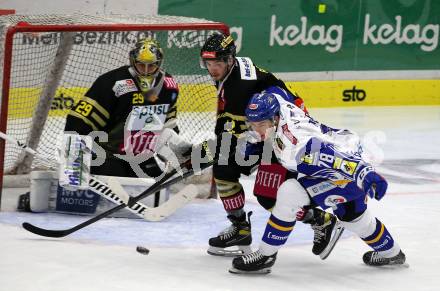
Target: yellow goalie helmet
pixel 146 57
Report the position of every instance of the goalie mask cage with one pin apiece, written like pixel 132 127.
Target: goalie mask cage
pixel 51 60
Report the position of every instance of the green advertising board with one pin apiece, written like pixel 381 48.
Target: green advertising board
pixel 337 35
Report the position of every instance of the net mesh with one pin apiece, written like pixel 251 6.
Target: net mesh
pixel 47 79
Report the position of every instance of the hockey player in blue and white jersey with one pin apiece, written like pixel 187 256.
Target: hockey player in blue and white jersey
pixel 332 174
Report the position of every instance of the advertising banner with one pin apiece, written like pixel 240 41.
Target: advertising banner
pixel 338 35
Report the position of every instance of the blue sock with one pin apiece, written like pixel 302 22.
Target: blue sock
pixel 381 240
pixel 277 231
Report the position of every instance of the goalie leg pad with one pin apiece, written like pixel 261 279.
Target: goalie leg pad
pixel 75 161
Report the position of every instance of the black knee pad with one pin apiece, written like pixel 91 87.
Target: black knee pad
pixel 266 202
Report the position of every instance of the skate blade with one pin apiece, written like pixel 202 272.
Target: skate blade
pixel 258 272
pixel 229 252
pixel 394 266
pixel 339 229
pixel 404 265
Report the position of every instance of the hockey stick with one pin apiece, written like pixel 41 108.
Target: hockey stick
pixel 95 184
pixel 162 183
pixel 165 209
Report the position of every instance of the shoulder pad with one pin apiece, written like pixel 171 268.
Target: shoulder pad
pixel 247 69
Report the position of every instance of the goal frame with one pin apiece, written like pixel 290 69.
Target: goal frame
pixel 38 28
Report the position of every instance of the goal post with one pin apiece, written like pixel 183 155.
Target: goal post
pixel 51 60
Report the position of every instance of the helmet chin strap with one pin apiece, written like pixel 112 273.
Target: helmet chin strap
pixel 229 67
pixel 228 70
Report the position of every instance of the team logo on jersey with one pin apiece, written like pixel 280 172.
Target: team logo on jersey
pixel 334 200
pixel 347 167
pixel 122 87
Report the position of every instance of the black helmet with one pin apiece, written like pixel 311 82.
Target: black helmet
pixel 218 47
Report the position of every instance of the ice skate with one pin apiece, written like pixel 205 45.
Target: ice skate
pixel 327 231
pixel 372 258
pixel 253 263
pixel 233 241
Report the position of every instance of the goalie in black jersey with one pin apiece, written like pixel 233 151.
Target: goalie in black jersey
pixel 237 79
pixel 132 105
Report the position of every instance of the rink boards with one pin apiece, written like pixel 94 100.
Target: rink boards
pixel 318 94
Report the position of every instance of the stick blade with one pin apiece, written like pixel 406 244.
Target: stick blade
pixel 44 232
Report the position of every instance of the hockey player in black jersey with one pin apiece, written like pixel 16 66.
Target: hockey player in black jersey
pixel 131 104
pixel 236 80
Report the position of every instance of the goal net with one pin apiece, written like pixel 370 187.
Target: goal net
pixel 51 60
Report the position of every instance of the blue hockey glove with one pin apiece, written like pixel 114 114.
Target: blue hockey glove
pixel 375 185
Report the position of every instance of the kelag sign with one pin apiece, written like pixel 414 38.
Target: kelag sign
pixel 339 35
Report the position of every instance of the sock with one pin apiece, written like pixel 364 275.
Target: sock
pixel 275 235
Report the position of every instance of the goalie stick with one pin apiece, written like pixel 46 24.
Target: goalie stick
pixel 95 184
pixel 114 192
pixel 164 182
pixel 165 209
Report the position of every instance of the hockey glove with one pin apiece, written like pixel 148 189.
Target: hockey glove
pixel 172 149
pixel 375 185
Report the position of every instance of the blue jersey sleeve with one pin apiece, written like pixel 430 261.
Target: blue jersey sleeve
pixel 324 160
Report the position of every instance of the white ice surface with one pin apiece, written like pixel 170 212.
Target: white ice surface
pixel 103 257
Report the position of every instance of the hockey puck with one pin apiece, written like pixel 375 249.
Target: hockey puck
pixel 142 250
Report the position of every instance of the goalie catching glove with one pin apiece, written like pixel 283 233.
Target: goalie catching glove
pixel 172 150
